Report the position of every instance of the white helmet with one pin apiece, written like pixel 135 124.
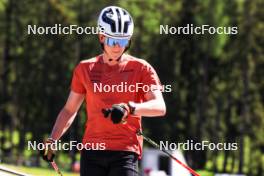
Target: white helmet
pixel 115 22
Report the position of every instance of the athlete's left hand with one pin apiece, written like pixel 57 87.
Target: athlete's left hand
pixel 47 153
pixel 118 113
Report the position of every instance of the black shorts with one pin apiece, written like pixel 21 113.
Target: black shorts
pixel 108 163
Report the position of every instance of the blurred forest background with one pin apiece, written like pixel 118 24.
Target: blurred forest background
pixel 216 79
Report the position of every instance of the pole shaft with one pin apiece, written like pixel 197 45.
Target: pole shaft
pixel 169 154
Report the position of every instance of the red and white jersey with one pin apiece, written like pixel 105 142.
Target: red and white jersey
pixel 105 85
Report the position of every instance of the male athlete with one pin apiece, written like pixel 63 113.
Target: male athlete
pixel 118 89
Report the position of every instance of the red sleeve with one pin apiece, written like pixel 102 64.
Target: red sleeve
pixel 77 81
pixel 150 78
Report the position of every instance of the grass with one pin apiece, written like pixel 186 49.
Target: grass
pixel 36 171
pixel 205 173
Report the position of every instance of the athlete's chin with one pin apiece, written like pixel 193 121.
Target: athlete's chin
pixel 116 56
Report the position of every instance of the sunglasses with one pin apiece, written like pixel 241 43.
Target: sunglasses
pixel 112 42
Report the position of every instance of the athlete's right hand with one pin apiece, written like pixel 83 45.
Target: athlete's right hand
pixel 47 153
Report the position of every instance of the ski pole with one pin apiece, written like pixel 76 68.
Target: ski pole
pixel 56 168
pixel 166 152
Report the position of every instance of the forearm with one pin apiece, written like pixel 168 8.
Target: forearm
pixel 63 122
pixel 151 108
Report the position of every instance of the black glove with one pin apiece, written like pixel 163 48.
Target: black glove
pixel 47 153
pixel 118 113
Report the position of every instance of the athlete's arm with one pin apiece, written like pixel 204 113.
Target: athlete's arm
pixel 67 115
pixel 154 106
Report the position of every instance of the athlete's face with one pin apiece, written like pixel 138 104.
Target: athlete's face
pixel 113 52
